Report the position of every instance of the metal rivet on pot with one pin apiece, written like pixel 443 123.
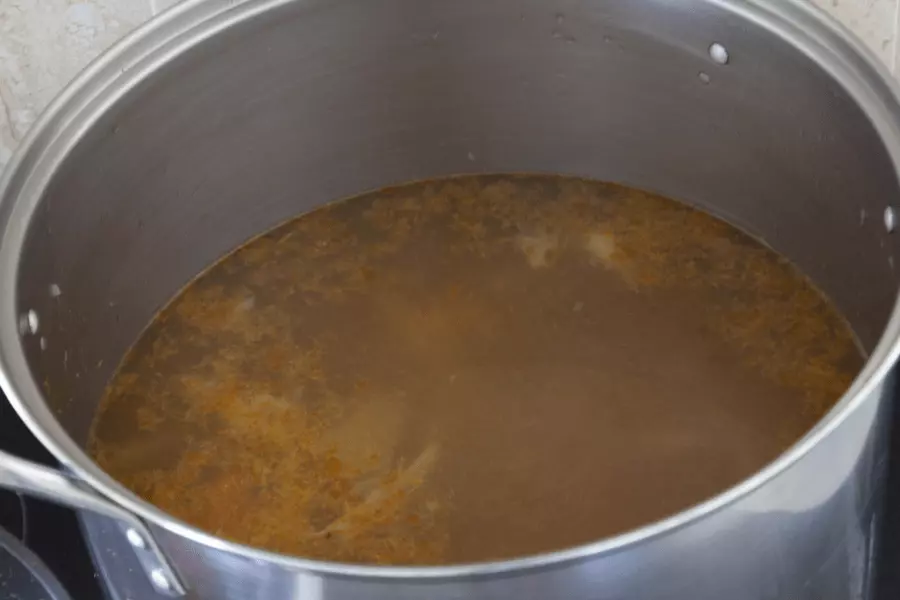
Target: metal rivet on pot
pixel 34 322
pixel 55 291
pixel 160 580
pixel 704 77
pixel 718 53
pixel 890 219
pixel 43 343
pixel 135 538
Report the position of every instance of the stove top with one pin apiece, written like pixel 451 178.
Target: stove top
pixel 54 533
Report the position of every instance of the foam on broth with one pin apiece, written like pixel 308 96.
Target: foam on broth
pixel 471 369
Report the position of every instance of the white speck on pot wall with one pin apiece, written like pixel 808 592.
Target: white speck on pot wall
pixel 44 43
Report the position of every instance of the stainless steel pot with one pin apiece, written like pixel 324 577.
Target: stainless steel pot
pixel 225 118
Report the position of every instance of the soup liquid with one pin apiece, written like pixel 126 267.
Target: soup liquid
pixel 471 369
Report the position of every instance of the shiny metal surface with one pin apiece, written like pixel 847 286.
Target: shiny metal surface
pixel 226 117
pixel 55 486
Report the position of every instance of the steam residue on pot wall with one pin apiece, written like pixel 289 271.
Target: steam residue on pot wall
pixel 471 369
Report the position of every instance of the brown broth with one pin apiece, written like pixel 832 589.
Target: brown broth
pixel 471 369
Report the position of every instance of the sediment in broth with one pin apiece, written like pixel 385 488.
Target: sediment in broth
pixel 471 369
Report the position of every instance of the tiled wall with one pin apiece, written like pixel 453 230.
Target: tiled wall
pixel 43 43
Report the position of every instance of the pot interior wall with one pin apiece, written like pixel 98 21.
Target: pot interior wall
pixel 318 100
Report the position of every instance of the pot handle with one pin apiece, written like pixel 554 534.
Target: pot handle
pixel 49 484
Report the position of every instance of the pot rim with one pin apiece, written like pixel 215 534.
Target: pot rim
pixel 149 46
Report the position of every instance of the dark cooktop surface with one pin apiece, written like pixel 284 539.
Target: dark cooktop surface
pixel 54 533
